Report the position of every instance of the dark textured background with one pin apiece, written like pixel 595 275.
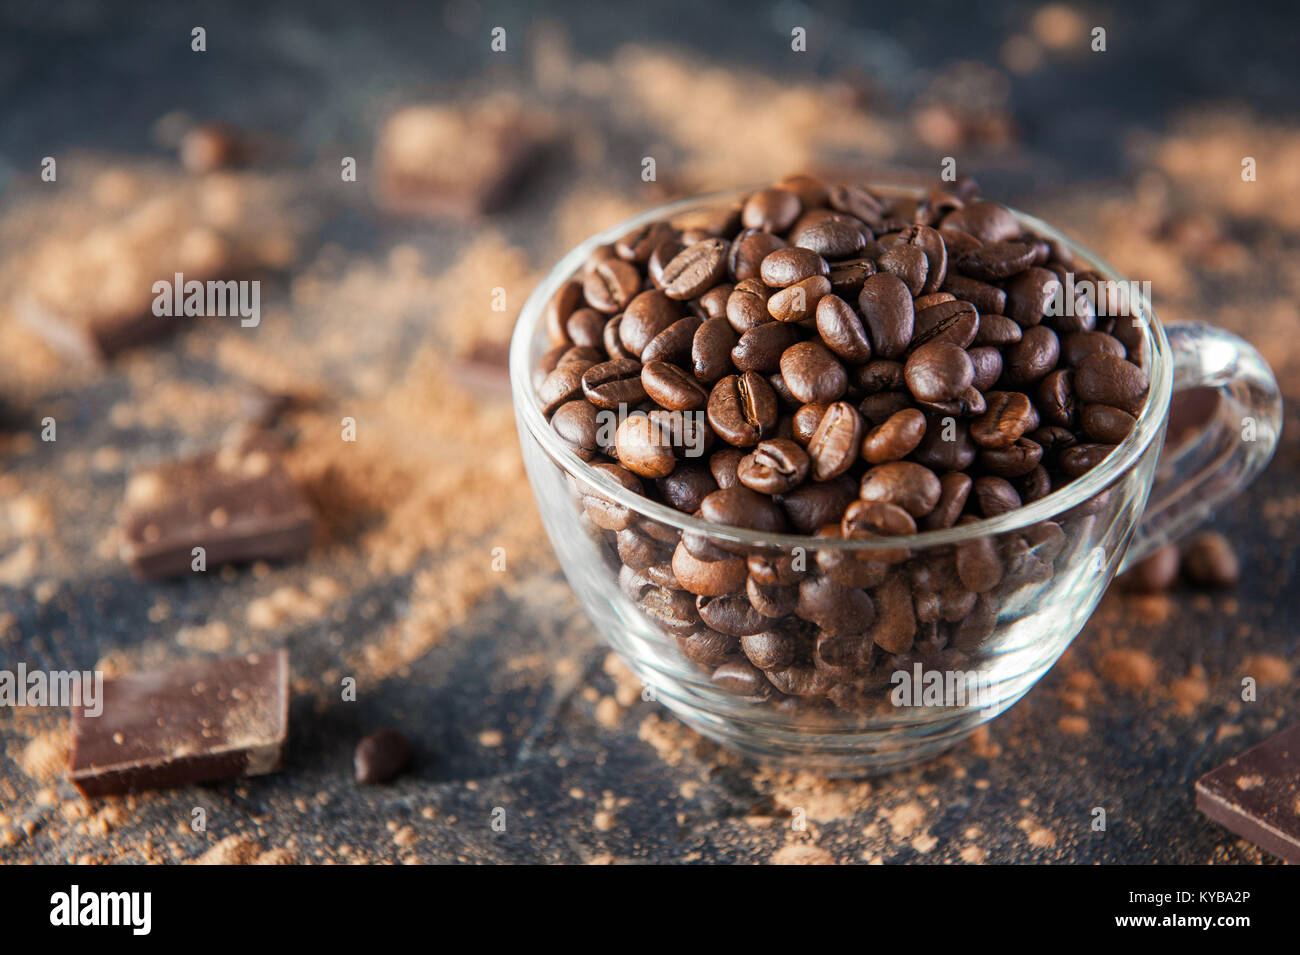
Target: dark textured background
pixel 84 75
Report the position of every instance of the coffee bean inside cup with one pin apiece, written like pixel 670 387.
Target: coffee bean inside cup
pixel 855 366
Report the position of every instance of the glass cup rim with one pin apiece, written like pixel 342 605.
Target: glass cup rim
pixel 528 409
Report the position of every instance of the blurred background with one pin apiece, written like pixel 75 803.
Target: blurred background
pixel 487 139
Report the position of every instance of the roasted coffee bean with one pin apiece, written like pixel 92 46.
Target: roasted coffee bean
pixel 1035 485
pixel 1077 346
pixel 979 567
pixel 842 330
pixel 1107 380
pixel 775 570
pixel 1106 424
pixel 381 756
pixel 577 424
pixel 1030 359
pixel 713 303
pixel 812 373
pixel 760 349
pixel 732 615
pixel 988 299
pixel 833 607
pixel 688 485
pixel 997 331
pixel 638 245
pixel 812 192
pixel 786 267
pixel 800 681
pixel 743 679
pixel 747 305
pixel 1030 295
pixel 748 251
pixel 954 489
pixel 711 350
pixel 1082 458
pixel 858 202
pixel 832 237
pixel 567 298
pixel 1131 332
pixel 878 408
pixel 849 568
pixel 836 442
pixel 987 363
pixel 798 301
pixel 879 375
pixel 643 447
pixel 612 341
pixel 841 657
pixel 673 387
pixel 939 371
pixel 908 262
pixel 895 438
pixel 611 285
pixel 701 547
pixel 742 409
pixel 709 648
pixel 847 277
pixel 695 269
pixel 612 384
pixel 931 243
pixel 740 507
pixel 913 487
pixel 773 210
pixel 674 610
pixel 708 578
pixel 1056 398
pixel 638 550
pixel 1014 460
pixel 895 625
pixel 562 385
pixel 1210 561
pixel 586 327
pixel 976 627
pixel 947 445
pixel 996 261
pixel 816 504
pixel 986 221
pixel 774 467
pixel 886 306
pixel 1154 574
pixel 646 316
pixel 866 519
pixel 673 344
pixel 1007 417
pixel 771 649
pixel 786 398
pixel 954 322
pixel 724 464
pixel 774 602
pixel 603 512
pixel 995 495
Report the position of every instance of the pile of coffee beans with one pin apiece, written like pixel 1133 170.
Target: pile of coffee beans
pixel 831 361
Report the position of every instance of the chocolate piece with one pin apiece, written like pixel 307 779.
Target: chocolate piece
pixel 94 336
pixel 435 160
pixel 199 721
pixel 237 504
pixel 1257 795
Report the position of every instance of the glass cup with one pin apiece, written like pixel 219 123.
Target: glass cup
pixel 856 656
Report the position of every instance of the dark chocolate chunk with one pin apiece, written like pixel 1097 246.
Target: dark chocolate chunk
pixel 237 504
pixel 1257 794
pixel 196 722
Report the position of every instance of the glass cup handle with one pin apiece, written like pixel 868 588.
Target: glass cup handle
pixel 1232 387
